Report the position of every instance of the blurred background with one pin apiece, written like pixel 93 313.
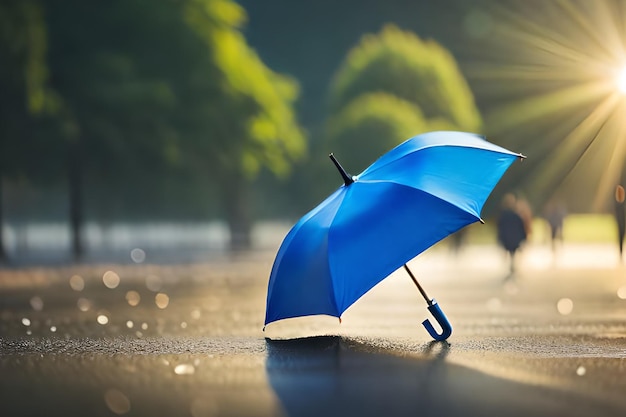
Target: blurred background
pixel 139 130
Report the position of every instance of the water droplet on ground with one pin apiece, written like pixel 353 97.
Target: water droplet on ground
pixel 36 303
pixel 184 369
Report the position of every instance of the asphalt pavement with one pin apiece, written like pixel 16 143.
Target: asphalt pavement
pixel 188 340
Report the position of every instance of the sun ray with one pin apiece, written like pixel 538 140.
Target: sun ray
pixel 611 173
pixel 621 81
pixel 520 28
pixel 613 38
pixel 526 72
pixel 572 150
pixel 525 111
pixel 584 23
pixel 551 78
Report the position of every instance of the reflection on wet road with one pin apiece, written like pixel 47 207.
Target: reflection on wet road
pixel 187 340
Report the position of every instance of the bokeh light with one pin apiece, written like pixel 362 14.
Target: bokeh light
pixel 77 283
pixel 184 369
pixel 111 279
pixel 565 306
pixel 621 292
pixel 162 300
pixel 102 319
pixel 138 255
pixel 36 303
pixel 133 298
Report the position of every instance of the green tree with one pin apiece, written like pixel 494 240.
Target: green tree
pixel 253 124
pixel 383 117
pixel 22 85
pixel 109 64
pixel 420 71
pixel 167 87
pixel 392 86
pixel 133 94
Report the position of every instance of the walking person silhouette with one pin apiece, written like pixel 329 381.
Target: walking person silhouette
pixel 512 231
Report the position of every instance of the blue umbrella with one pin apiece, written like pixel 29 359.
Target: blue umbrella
pixel 413 196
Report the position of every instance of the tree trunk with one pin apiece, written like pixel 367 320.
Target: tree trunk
pixel 3 254
pixel 236 200
pixel 75 188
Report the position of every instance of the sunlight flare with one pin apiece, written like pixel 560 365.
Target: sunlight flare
pixel 556 76
pixel 621 80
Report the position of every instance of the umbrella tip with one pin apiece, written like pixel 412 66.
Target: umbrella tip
pixel 347 179
pixel 522 157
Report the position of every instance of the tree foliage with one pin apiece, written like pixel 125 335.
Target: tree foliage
pixel 135 96
pixel 419 71
pixel 22 81
pixel 390 87
pixel 381 117
pixel 269 135
pixel 22 84
pixel 255 125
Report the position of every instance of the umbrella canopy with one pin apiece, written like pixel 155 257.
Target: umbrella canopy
pixel 409 199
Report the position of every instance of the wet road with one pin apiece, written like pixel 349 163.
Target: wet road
pixel 186 340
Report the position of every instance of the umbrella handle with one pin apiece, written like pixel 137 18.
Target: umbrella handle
pixel 446 328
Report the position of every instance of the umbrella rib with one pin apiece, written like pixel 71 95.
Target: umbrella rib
pixel 419 287
pixel 343 194
pixel 391 181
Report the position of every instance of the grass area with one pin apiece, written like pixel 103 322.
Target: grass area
pixel 590 228
pixel 578 228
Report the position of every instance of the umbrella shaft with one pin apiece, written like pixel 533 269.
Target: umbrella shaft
pixel 417 284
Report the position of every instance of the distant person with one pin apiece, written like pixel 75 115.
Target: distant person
pixel 555 213
pixel 526 213
pixel 512 231
pixel 457 240
pixel 620 217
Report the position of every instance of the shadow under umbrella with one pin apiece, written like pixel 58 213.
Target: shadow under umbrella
pixel 338 376
pixel 333 375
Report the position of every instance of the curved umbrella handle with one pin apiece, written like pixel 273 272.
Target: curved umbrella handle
pixel 446 328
